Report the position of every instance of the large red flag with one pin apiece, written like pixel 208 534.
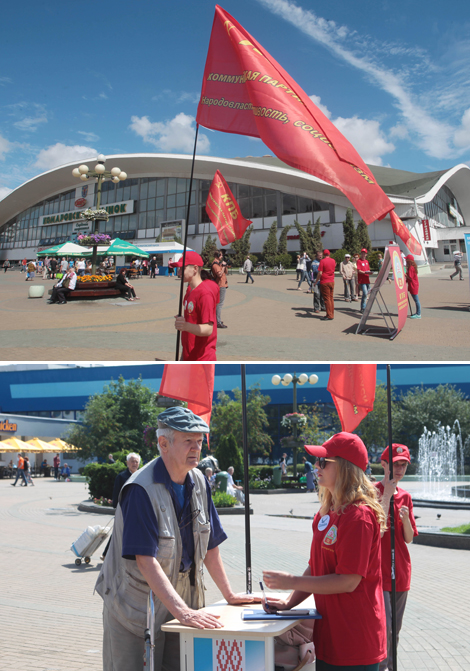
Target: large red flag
pixel 246 91
pixel 352 387
pixel 224 211
pixel 191 382
pixel 404 234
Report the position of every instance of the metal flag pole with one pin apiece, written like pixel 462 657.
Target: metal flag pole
pixel 185 244
pixel 393 597
pixel 246 483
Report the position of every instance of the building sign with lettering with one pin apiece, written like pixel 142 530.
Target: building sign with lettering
pixel 113 209
pixel 426 230
pixel 171 230
pixel 6 426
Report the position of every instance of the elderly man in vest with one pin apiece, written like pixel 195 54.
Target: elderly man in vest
pixel 166 527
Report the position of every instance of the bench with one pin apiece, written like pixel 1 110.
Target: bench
pixel 78 294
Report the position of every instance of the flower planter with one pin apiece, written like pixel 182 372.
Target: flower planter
pixel 109 284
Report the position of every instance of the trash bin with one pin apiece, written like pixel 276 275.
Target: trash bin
pixel 221 481
pixel 277 475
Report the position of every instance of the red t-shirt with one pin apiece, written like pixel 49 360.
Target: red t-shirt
pixel 352 629
pixel 412 279
pixel 199 308
pixel 327 267
pixel 362 266
pixel 402 556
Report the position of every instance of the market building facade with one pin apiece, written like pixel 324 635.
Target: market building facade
pixel 151 204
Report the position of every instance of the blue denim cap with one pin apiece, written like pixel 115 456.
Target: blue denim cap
pixel 183 419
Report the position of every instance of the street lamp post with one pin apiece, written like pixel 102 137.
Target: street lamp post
pixel 100 173
pixel 285 381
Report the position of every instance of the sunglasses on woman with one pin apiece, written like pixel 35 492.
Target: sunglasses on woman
pixel 321 461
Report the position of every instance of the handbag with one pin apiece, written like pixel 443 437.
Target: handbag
pixel 66 283
pixel 294 650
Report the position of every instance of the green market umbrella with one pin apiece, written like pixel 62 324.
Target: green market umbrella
pixel 120 247
pixel 66 249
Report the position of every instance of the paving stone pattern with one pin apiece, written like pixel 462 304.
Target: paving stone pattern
pixel 51 621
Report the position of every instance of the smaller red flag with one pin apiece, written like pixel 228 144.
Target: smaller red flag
pixel 190 382
pixel 404 234
pixel 352 387
pixel 224 211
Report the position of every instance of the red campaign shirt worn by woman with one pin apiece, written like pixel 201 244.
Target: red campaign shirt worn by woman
pixel 402 556
pixel 199 308
pixel 352 629
pixel 362 277
pixel 412 279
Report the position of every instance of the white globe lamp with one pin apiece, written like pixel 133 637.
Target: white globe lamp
pixel 83 169
pixel 276 379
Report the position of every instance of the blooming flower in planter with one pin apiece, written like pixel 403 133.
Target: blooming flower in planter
pixel 91 239
pixel 294 418
pixel 91 215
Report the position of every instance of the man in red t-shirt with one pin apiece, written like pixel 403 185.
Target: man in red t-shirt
pixel 198 335
pixel 326 278
pixel 405 526
pixel 363 281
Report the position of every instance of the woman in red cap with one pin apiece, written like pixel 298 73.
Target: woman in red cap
pixel 413 283
pixel 344 571
pixel 405 526
pixel 198 335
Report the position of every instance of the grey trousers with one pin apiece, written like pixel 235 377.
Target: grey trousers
pixel 218 310
pixel 387 664
pixel 124 651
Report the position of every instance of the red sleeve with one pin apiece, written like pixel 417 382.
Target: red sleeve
pixel 207 307
pixel 321 267
pixel 353 553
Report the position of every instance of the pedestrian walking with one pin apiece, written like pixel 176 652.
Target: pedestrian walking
pixel 56 466
pixel 6 265
pixel 304 259
pixel 318 302
pixel 413 284
pixel 153 265
pixel 20 471
pixel 363 272
pixel 247 268
pixel 457 265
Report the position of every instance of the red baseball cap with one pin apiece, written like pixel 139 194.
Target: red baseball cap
pixel 192 259
pixel 345 445
pixel 410 257
pixel 326 252
pixel 364 250
pixel 399 452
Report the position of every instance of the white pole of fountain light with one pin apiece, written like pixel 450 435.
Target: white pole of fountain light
pixel 393 595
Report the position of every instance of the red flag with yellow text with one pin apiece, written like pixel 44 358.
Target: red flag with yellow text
pixel 246 91
pixel 404 234
pixel 352 387
pixel 191 382
pixel 224 211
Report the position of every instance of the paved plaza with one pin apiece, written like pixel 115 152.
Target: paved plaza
pixel 51 621
pixel 269 320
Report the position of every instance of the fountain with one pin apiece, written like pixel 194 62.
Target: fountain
pixel 441 465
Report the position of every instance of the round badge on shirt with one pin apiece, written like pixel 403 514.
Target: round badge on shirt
pixel 323 523
pixel 190 307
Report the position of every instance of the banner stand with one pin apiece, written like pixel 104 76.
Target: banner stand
pixel 392 261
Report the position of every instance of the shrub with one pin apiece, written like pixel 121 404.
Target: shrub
pixel 373 258
pixel 223 500
pixel 101 478
pixel 260 472
pixel 285 259
pixel 338 256
pixel 262 484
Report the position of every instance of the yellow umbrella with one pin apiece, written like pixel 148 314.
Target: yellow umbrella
pixel 61 446
pixel 38 445
pixel 14 445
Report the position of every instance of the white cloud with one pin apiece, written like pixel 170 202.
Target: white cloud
pixel 29 123
pixel 323 108
pixel 462 134
pixel 174 135
pixel 59 154
pixel 5 146
pixel 5 80
pixel 88 137
pixel 4 191
pixel 432 136
pixel 177 97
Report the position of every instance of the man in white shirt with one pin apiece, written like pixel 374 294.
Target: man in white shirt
pixel 63 288
pixel 247 268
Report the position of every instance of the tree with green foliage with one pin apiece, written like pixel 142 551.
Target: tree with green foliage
pixel 316 237
pixel 362 236
pixel 270 245
pixel 228 453
pixel 116 420
pixel 208 251
pixel 241 248
pixel 282 244
pixel 305 240
pixel 226 418
pixel 316 431
pixel 427 407
pixel 349 232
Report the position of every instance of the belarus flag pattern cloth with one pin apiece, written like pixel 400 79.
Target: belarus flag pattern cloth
pixel 246 91
pixel 352 387
pixel 224 211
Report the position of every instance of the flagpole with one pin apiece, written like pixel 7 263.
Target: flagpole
pixel 246 483
pixel 392 525
pixel 185 243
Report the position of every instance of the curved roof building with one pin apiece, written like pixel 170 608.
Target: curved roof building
pixel 44 211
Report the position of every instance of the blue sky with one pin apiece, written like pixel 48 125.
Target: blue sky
pixel 78 79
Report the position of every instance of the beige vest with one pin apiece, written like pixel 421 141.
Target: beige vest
pixel 122 586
